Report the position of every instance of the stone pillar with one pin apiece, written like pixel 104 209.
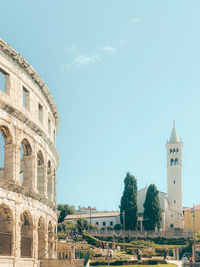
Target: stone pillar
pixel 17 237
pixel 29 172
pixel 54 186
pixel 50 188
pixel 12 163
pixel 42 179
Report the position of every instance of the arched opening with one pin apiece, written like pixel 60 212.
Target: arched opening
pixel 40 173
pixel 174 150
pixel 176 161
pixel 5 141
pixel 177 150
pixel 50 240
pixel 172 162
pixel 41 239
pixel 26 235
pixel 170 151
pixel 25 163
pixel 49 181
pixel 6 230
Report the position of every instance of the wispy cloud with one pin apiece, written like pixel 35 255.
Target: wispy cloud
pixel 108 49
pixel 135 20
pixel 70 49
pixel 121 43
pixel 83 60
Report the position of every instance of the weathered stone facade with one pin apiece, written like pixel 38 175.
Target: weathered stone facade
pixel 28 124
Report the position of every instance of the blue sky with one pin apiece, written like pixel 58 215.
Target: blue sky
pixel 120 73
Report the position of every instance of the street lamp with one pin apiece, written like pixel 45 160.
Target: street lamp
pixel 123 214
pixel 194 245
pixel 90 217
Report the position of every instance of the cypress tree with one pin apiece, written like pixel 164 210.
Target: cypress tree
pixel 152 211
pixel 129 203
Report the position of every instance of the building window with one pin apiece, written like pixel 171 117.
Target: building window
pixel 63 255
pixel 171 225
pixel 40 112
pixel 171 215
pixel 176 161
pixel 174 150
pixel 49 126
pixel 170 151
pixel 174 201
pixel 177 150
pixel 97 223
pixel 59 255
pixel 25 98
pixel 111 223
pixel 104 223
pixel 172 162
pixel 174 181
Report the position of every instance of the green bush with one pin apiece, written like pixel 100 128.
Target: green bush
pixel 61 235
pixel 126 262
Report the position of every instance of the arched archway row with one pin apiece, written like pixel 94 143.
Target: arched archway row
pixel 26 163
pixel 32 237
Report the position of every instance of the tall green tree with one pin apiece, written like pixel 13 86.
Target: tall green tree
pixel 64 210
pixel 128 205
pixel 152 211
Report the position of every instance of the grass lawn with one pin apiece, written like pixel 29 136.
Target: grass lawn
pixel 157 265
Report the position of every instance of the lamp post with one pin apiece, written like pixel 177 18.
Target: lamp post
pixel 123 213
pixel 90 217
pixel 194 244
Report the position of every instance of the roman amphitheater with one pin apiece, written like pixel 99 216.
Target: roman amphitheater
pixel 28 125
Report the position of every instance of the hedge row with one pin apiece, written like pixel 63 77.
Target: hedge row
pixel 125 262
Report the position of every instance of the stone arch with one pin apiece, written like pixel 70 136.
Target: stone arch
pixel 40 172
pixel 176 161
pixel 6 133
pixel 5 150
pixel 50 239
pixel 6 230
pixel 41 238
pixel 26 235
pixel 26 163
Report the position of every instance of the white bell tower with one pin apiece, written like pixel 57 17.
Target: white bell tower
pixel 174 178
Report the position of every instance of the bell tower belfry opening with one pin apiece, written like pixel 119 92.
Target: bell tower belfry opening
pixel 174 178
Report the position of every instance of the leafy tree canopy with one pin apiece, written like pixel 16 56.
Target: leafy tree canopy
pixel 152 211
pixel 65 209
pixel 128 204
pixel 82 224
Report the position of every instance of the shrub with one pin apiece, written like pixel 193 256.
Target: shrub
pixel 117 227
pixel 61 235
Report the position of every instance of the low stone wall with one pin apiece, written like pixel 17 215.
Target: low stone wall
pixel 61 263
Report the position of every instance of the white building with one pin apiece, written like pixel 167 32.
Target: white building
pixel 106 218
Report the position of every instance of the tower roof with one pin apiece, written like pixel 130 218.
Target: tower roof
pixel 174 138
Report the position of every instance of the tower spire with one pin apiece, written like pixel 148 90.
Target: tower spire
pixel 174 138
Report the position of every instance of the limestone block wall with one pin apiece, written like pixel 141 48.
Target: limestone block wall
pixel 28 125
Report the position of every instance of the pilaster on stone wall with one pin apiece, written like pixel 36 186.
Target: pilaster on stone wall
pixel 12 163
pixel 41 174
pixel 50 186
pixel 29 171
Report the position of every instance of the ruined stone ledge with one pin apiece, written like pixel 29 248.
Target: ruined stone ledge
pixel 32 125
pixel 15 56
pixel 9 185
